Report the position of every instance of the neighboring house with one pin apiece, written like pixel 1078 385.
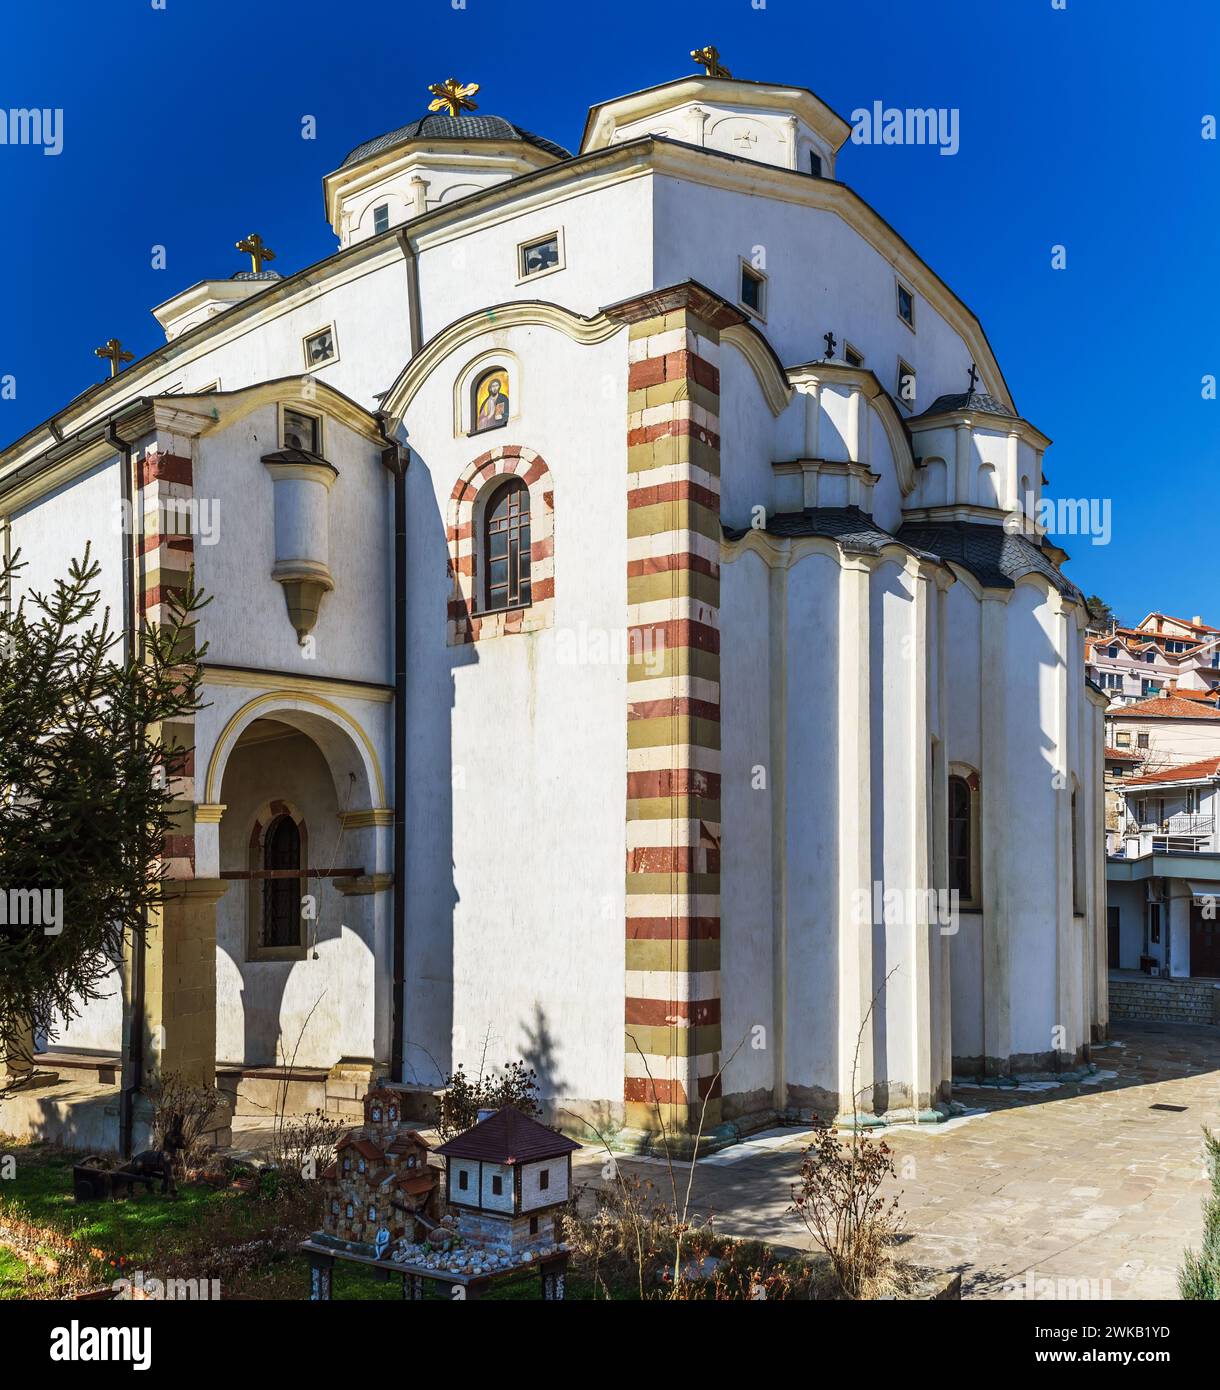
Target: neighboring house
pixel 690 666
pixel 1163 886
pixel 1119 764
pixel 1162 653
pixel 1165 731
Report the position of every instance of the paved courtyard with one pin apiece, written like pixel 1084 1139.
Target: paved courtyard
pixel 1075 1183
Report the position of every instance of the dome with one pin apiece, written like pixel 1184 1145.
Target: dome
pixel 441 126
pixel 257 275
pixel 978 401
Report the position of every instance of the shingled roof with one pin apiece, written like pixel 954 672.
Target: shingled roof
pixel 996 557
pixel 1168 707
pixel 1201 771
pixel 1122 755
pixel 441 126
pixel 978 401
pixel 508 1137
pixel 851 528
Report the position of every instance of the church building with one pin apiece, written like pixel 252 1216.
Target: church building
pixel 632 645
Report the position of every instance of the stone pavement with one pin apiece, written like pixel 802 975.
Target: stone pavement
pixel 1076 1191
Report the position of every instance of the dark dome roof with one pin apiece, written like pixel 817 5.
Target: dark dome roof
pixel 970 400
pixel 441 126
pixel 257 275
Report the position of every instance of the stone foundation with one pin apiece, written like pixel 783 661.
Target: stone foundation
pixel 1165 1001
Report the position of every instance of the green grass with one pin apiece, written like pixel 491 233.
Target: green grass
pixel 154 1234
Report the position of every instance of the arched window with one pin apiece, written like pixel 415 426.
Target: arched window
pixel 489 401
pixel 506 546
pixel 961 839
pixel 282 896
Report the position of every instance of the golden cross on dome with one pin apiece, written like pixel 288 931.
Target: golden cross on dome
pixel 453 96
pixel 254 246
pixel 710 58
pixel 112 350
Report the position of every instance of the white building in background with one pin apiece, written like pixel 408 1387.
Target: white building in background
pixel 1165 882
pixel 614 622
pixel 1162 654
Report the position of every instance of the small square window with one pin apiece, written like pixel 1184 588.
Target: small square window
pixel 463 1180
pixel 815 164
pixel 753 290
pixel 381 218
pixel 544 1179
pixel 906 305
pixel 320 348
pixel 301 431
pixel 533 1225
pixel 1141 740
pixel 906 384
pixel 497 1186
pixel 852 356
pixel 537 256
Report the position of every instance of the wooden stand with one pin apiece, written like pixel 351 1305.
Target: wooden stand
pixel 552 1271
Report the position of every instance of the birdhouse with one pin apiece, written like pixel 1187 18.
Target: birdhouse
pixel 380 1180
pixel 507 1178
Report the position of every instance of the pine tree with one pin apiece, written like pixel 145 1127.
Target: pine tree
pixel 1199 1277
pixel 86 785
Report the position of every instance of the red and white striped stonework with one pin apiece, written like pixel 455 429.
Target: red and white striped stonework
pixel 672 1018
pixel 167 547
pixel 466 623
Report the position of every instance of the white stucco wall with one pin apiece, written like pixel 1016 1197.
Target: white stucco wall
pixel 517 753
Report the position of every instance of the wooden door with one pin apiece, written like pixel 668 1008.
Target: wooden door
pixel 1204 944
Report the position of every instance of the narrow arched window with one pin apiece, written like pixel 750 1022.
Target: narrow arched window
pixel 961 830
pixel 506 546
pixel 282 894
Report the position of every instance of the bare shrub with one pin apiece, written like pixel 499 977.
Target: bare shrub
pixel 182 1105
pixel 303 1145
pixel 463 1098
pixel 838 1198
pixel 630 1236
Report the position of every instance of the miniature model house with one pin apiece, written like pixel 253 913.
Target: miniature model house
pixel 507 1178
pixel 380 1179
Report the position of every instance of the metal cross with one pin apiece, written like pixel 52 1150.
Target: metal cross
pixel 974 376
pixel 112 350
pixel 453 96
pixel 258 251
pixel 830 344
pixel 709 57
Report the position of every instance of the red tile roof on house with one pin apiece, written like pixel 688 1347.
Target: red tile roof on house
pixel 1183 622
pixel 508 1136
pixel 1122 755
pixel 1168 707
pixel 1201 771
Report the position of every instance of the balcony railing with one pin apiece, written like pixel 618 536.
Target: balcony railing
pixel 1181 833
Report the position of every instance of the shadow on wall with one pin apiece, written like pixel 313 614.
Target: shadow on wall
pixel 431 892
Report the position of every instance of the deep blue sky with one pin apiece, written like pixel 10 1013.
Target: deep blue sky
pixel 1081 127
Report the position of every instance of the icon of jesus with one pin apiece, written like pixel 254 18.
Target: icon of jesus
pixel 493 404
